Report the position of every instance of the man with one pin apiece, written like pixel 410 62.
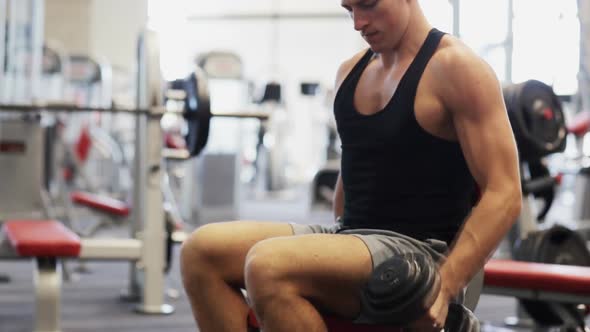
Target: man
pixel 422 123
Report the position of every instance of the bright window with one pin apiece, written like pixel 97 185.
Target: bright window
pixel 546 39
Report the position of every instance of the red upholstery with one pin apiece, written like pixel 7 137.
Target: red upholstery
pixel 537 276
pixel 580 124
pixel 83 144
pixel 102 203
pixel 42 238
pixel 335 324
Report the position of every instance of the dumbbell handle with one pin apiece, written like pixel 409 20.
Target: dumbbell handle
pixel 536 185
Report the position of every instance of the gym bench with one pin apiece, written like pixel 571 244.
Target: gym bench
pixel 101 203
pixel 47 241
pixel 550 283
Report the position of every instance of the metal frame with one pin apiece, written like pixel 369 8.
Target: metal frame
pixel 146 247
pixel 456 4
pixel 526 223
pixel 148 198
pixel 584 72
pixel 509 43
pixel 9 78
pixel 101 97
pixel 73 108
pixel 268 16
pixel 48 285
pixel 3 17
pixel 532 294
pixel 37 13
pixel 553 299
pixel 23 197
pixel 111 249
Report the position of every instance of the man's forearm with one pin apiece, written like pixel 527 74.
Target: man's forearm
pixel 485 228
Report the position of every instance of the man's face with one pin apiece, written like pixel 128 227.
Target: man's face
pixel 380 22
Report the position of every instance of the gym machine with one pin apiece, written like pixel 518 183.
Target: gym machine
pixel 537 118
pixel 23 150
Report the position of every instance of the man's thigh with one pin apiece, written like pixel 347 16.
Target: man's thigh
pixel 224 245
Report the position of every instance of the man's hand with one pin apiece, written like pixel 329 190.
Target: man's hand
pixel 434 319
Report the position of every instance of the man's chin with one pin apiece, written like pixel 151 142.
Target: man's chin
pixel 376 48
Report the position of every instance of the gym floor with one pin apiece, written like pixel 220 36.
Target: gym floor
pixel 90 301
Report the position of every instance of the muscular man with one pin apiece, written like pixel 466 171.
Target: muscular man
pixel 424 131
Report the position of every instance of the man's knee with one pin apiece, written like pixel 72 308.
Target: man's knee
pixel 266 268
pixel 267 277
pixel 203 248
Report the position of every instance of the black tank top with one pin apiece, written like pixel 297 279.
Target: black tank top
pixel 397 176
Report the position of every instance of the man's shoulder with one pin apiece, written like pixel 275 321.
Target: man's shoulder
pixel 466 75
pixel 347 65
pixel 454 58
pixel 350 62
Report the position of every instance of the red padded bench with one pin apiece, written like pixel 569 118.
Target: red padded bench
pixel 538 277
pixel 551 283
pixel 101 203
pixel 41 238
pixel 47 241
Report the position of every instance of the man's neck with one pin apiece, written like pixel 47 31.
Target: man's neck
pixel 410 43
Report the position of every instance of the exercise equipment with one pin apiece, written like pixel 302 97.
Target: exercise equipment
pixel 22 159
pixel 558 289
pixel 401 289
pixel 537 120
pixel 47 241
pixel 323 185
pixel 556 245
pixel 398 292
pixel 197 109
pixel 54 72
pixel 221 65
pixel 90 81
pixel 101 203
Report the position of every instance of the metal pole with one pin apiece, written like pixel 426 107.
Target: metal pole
pixel 37 14
pixel 3 12
pixel 509 46
pixel 584 72
pixel 22 42
pixel 456 17
pixel 148 186
pixel 11 72
pixel 106 88
pixel 270 17
pixel 139 172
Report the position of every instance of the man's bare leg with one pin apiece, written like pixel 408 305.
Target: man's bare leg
pixel 288 278
pixel 212 264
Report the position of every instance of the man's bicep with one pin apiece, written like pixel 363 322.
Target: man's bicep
pixel 489 149
pixel 483 129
